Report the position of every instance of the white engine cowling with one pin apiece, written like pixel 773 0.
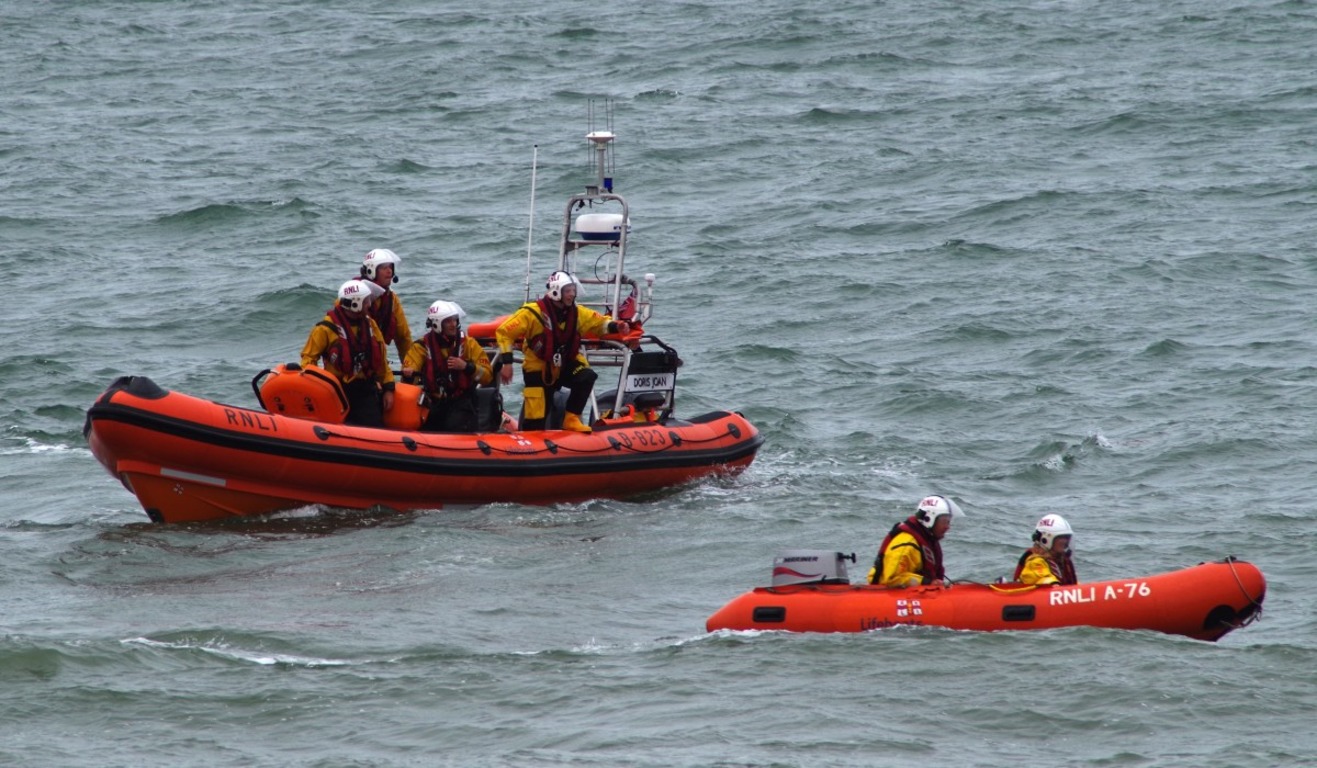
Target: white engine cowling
pixel 810 566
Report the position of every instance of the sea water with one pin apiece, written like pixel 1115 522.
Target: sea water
pixel 1044 257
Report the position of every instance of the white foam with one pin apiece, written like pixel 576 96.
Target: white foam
pixel 255 657
pixel 30 446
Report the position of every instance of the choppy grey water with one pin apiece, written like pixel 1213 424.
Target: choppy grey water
pixel 1041 256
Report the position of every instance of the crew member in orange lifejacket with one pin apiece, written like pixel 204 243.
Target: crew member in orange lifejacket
pixel 911 554
pixel 1048 561
pixel 381 268
pixel 551 330
pixel 450 365
pixel 352 348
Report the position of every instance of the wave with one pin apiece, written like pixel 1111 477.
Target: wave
pixel 1060 456
pixel 28 446
pixel 234 213
pixel 405 166
pixel 223 646
pixel 1165 348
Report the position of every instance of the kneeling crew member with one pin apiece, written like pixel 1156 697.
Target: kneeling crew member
pixel 550 330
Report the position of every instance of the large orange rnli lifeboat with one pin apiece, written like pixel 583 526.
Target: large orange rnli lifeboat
pixel 813 594
pixel 190 459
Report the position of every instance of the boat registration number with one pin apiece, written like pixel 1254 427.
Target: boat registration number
pixel 1091 594
pixel 642 382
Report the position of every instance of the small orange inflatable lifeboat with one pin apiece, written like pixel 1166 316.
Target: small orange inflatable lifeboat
pixel 812 594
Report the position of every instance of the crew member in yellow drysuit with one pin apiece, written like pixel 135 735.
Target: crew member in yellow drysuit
pixel 450 366
pixel 550 329
pixel 353 351
pixel 911 554
pixel 381 268
pixel 1048 561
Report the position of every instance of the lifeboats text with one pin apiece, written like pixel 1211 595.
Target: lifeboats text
pixel 875 622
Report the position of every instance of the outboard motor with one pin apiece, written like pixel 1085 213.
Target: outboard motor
pixel 810 566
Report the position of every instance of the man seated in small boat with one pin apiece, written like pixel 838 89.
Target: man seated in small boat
pixel 449 366
pixel 911 554
pixel 353 351
pixel 381 268
pixel 1048 561
pixel 550 329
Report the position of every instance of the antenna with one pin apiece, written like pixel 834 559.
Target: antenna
pixel 530 227
pixel 601 140
pixel 602 161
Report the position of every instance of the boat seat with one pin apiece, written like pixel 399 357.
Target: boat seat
pixel 489 409
pixel 646 401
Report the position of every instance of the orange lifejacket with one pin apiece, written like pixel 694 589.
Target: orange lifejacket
pixel 556 347
pixel 931 570
pixel 355 351
pixel 439 380
pixel 381 311
pixel 1064 571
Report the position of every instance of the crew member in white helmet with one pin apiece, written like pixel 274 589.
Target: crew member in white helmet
pixel 1048 561
pixel 449 365
pixel 381 268
pixel 353 350
pixel 911 554
pixel 551 329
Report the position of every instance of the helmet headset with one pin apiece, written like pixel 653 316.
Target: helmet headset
pixel 557 282
pixel 440 311
pixel 355 295
pixel 933 507
pixel 378 258
pixel 1051 528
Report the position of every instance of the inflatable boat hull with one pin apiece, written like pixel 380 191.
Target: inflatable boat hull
pixel 189 459
pixel 1203 602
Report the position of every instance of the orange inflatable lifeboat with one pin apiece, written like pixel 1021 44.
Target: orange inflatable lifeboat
pixel 191 459
pixel 812 593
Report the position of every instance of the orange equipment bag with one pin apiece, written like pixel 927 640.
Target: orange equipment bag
pixel 310 393
pixel 407 411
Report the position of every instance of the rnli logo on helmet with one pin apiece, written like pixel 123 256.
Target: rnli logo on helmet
pixel 929 501
pixel 352 290
pixel 1046 521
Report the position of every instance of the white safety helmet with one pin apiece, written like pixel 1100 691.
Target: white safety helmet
pixel 933 507
pixel 1049 528
pixel 442 310
pixel 355 294
pixel 378 258
pixel 558 281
